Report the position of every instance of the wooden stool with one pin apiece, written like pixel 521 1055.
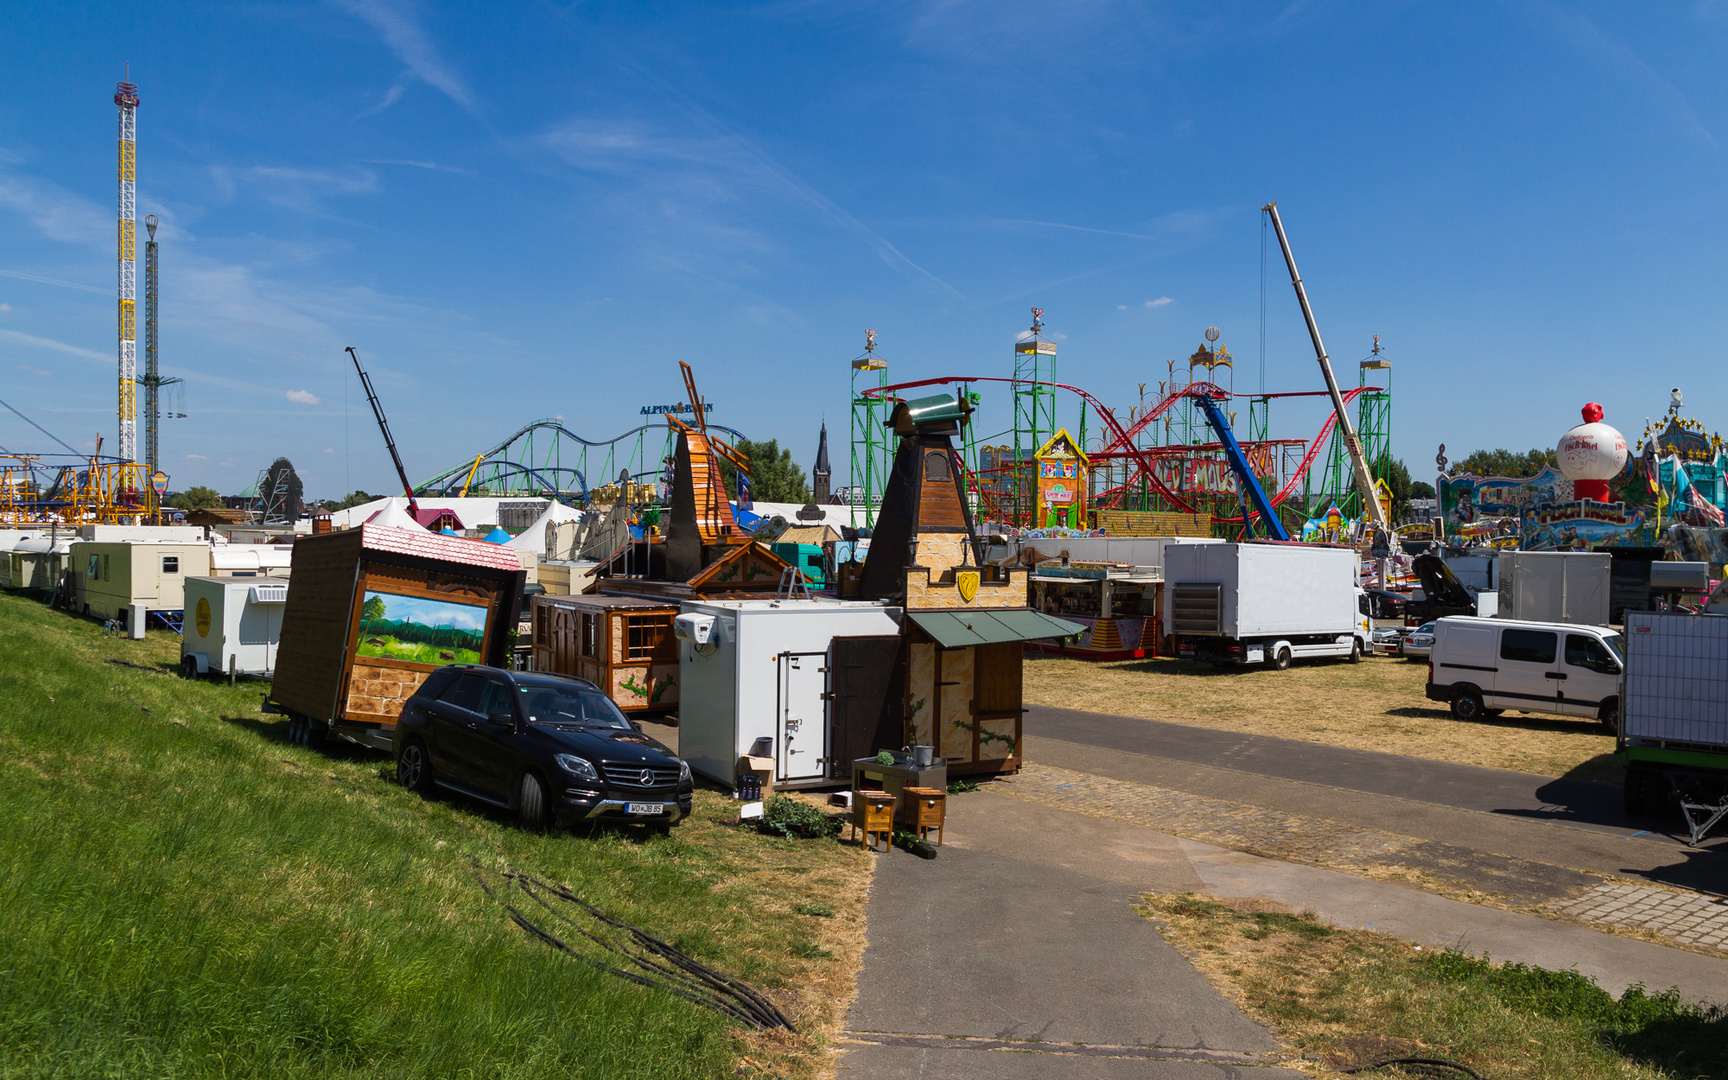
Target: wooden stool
pixel 924 809
pixel 873 812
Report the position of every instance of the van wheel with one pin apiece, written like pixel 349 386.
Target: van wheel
pixel 531 802
pixel 1280 660
pixel 1609 715
pixel 1467 705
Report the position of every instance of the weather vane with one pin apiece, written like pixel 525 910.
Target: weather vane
pixel 1037 319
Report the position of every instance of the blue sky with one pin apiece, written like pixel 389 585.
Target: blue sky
pixel 538 209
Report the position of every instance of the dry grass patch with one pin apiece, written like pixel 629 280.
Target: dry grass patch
pixel 1346 998
pixel 1377 704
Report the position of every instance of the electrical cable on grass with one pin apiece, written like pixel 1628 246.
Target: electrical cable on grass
pixel 1438 1068
pixel 655 963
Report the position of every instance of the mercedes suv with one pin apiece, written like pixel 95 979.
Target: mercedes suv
pixel 547 747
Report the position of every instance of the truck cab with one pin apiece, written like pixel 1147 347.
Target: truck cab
pixel 1486 666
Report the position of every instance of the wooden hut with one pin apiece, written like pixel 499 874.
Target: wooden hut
pixel 622 644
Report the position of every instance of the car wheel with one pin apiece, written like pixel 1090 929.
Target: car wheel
pixel 1467 705
pixel 531 802
pixel 1279 661
pixel 414 767
pixel 1609 715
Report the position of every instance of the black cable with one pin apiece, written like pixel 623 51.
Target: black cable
pixel 1439 1068
pixel 42 429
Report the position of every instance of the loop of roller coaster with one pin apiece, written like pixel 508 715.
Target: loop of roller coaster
pixel 497 467
pixel 1122 439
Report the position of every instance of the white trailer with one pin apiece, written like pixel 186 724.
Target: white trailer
pixel 1272 603
pixel 1556 586
pixel 232 625
pixel 1674 720
pixel 755 677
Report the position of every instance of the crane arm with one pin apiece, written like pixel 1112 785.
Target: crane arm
pixel 384 426
pixel 1364 478
pixel 1245 478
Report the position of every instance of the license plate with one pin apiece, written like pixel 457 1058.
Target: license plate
pixel 644 808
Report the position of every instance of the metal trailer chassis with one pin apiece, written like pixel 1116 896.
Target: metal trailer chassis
pixel 305 731
pixel 1224 650
pixel 1662 778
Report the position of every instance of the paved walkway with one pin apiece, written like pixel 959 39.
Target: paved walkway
pixel 1686 917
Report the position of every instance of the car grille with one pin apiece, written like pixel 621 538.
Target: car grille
pixel 628 774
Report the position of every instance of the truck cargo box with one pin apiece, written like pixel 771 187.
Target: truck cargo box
pixel 371 611
pixel 1259 590
pixel 1556 586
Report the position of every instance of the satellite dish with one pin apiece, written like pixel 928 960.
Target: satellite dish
pixel 1211 333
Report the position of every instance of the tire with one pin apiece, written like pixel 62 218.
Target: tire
pixel 531 802
pixel 313 733
pixel 1467 705
pixel 296 731
pixel 414 767
pixel 1280 660
pixel 188 667
pixel 1646 793
pixel 1355 650
pixel 1609 715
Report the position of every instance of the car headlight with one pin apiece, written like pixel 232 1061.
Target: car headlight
pixel 684 772
pixel 580 768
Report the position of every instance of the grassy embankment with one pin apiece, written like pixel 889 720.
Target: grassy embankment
pixel 1344 998
pixel 1377 704
pixel 185 895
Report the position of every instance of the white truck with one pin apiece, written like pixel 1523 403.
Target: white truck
pixel 1556 586
pixel 1674 724
pixel 1270 603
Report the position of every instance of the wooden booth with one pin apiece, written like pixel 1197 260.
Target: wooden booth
pixel 372 611
pixel 622 644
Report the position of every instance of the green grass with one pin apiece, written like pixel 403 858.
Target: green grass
pixel 186 895
pixel 1350 997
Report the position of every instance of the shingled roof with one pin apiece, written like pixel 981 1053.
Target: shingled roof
pixel 427 545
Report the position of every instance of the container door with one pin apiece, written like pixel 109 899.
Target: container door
pixel 1592 675
pixel 1530 675
pixel 800 720
pixel 863 700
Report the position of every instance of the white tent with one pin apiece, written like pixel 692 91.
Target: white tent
pixel 395 513
pixel 533 538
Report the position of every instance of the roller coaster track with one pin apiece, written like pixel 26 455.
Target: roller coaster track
pixel 496 465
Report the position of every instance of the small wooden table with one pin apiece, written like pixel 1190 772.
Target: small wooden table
pixel 873 812
pixel 923 809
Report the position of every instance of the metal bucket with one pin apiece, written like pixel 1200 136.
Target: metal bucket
pixel 923 756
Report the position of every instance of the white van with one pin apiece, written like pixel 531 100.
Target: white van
pixel 1486 666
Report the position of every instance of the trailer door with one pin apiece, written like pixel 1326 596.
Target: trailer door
pixel 799 717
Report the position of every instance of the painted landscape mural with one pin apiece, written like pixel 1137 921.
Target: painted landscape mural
pixel 421 631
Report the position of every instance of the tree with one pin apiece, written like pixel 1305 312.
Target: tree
pixel 774 476
pixel 196 498
pixel 351 499
pixel 1507 463
pixel 1421 489
pixel 1397 478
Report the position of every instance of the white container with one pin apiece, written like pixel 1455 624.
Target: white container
pixel 757 686
pixel 232 620
pixel 1556 586
pixel 1677 678
pixel 1244 603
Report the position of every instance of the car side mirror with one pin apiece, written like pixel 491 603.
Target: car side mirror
pixel 637 724
pixel 502 719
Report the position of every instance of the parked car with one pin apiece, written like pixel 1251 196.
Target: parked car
pixel 1419 642
pixel 547 747
pixel 1486 666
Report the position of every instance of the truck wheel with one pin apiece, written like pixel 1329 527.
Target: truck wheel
pixel 1467 705
pixel 414 767
pixel 1609 715
pixel 1355 650
pixel 531 802
pixel 1280 660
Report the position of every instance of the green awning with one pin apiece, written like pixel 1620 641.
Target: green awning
pixel 956 629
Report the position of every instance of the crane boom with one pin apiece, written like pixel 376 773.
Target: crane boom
pixel 384 426
pixel 1245 478
pixel 1364 478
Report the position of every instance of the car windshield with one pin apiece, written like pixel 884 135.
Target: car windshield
pixel 1425 628
pixel 1618 644
pixel 571 705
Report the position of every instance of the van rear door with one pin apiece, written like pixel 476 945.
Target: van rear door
pixel 1530 674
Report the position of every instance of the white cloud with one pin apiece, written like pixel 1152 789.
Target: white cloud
pixel 57 346
pixel 5 307
pixel 60 214
pixel 28 370
pixel 304 397
pixel 397 23
pixel 1160 302
pixel 329 449
pixel 196 457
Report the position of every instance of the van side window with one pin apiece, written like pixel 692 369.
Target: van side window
pixel 1529 646
pixel 1586 652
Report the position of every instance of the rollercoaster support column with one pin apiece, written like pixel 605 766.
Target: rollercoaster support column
pixel 870 451
pixel 1034 412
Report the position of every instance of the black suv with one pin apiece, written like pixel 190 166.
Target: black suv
pixel 548 747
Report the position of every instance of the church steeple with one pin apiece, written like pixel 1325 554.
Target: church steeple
pixel 822 472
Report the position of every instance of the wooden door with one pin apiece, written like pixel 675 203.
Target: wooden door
pixel 996 702
pixel 864 687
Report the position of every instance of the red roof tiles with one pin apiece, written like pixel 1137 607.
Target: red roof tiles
pixel 427 545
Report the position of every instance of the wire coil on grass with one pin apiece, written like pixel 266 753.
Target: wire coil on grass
pixel 1437 1068
pixel 655 963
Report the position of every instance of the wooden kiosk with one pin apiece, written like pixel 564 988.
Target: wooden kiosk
pixel 622 644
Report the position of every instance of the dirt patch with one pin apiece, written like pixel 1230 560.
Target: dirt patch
pixel 1377 704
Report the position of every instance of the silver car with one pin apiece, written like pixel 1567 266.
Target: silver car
pixel 1419 642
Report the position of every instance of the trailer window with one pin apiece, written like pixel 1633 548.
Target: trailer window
pixel 1528 646
pixel 94 570
pixel 645 634
pixel 170 564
